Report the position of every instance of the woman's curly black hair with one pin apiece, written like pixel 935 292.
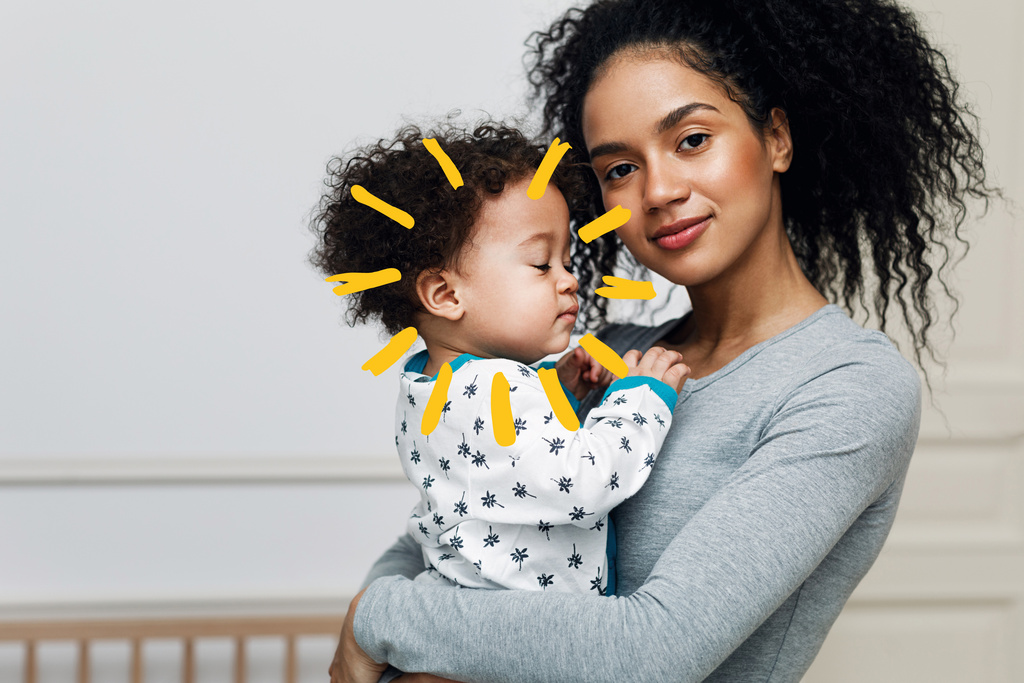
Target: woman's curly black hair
pixel 885 153
pixel 352 237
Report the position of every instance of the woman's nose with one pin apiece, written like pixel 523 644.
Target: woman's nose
pixel 664 183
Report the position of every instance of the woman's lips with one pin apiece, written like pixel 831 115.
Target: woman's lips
pixel 677 239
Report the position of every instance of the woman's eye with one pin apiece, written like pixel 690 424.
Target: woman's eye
pixel 619 171
pixel 693 141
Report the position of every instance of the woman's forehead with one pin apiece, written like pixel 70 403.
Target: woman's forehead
pixel 640 92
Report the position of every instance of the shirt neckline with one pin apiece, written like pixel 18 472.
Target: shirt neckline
pixel 418 363
pixel 693 385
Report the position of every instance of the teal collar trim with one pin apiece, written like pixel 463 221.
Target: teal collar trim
pixel 419 361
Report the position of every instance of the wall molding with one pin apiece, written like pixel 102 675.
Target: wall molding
pixel 974 413
pixel 88 470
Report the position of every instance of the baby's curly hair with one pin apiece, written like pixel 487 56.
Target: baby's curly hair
pixel 886 154
pixel 352 237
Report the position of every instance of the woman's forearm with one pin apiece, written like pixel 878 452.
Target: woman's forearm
pixel 403 558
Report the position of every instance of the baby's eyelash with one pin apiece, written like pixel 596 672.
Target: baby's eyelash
pixel 543 267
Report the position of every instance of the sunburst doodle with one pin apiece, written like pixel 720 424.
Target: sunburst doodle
pixel 502 420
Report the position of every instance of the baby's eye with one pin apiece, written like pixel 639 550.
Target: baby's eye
pixel 545 267
pixel 619 171
pixel 568 267
pixel 693 141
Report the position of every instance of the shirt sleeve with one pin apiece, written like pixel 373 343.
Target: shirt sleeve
pixel 404 558
pixel 835 444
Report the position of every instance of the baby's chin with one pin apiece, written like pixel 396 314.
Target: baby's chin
pixel 552 349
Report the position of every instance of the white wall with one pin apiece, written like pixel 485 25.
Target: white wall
pixel 182 414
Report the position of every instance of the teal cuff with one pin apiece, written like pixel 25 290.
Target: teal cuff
pixel 573 401
pixel 663 391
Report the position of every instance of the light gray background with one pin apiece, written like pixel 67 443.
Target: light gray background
pixel 184 426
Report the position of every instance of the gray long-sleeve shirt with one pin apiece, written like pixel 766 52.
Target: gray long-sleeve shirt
pixel 771 498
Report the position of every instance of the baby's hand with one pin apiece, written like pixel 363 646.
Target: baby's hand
pixel 658 363
pixel 580 373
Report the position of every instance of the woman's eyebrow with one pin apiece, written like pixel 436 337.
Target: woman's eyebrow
pixel 666 123
pixel 676 115
pixel 607 148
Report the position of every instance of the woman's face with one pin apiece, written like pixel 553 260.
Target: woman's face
pixel 700 183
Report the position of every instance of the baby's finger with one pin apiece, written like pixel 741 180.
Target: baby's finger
pixel 676 376
pixel 666 360
pixel 632 358
pixel 646 364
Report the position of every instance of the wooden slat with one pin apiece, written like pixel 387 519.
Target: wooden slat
pixel 137 631
pixel 188 666
pixel 30 662
pixel 83 661
pixel 240 673
pixel 136 660
pixel 291 664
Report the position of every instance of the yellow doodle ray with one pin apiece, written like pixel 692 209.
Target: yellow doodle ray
pixel 621 288
pixel 605 355
pixel 547 166
pixel 363 196
pixel 447 165
pixel 358 282
pixel 438 397
pixel 556 397
pixel 501 411
pixel 611 219
pixel 395 349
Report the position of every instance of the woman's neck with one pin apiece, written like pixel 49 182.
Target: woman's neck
pixel 741 308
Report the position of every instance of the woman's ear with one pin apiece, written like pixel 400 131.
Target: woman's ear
pixel 780 141
pixel 436 291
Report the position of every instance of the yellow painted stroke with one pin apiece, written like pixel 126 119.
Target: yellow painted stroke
pixel 357 282
pixel 543 175
pixel 394 213
pixel 604 355
pixel 450 172
pixel 610 220
pixel 387 356
pixel 501 411
pixel 438 397
pixel 621 288
pixel 556 397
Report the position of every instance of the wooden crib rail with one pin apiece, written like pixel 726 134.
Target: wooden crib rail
pixel 137 631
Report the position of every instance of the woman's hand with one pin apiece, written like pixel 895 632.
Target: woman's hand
pixel 658 363
pixel 351 664
pixel 580 373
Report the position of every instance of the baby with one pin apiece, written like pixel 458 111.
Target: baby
pixel 487 282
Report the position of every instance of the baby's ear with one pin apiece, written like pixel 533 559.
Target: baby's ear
pixel 437 294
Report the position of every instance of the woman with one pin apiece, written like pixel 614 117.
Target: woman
pixel 774 156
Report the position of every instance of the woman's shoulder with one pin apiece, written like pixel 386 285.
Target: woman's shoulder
pixel 841 368
pixel 832 340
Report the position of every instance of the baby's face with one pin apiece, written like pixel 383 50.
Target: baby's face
pixel 515 285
